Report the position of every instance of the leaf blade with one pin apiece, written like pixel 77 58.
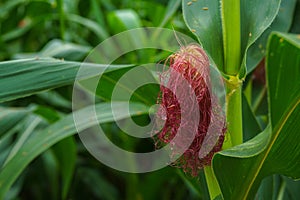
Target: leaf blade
pixel 203 18
pixel 281 153
pixel 24 77
pixel 279 20
pixel 56 132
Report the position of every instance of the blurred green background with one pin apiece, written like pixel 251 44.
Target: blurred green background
pixel 69 29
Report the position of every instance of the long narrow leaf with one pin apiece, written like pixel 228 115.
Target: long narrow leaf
pixel 20 78
pixel 58 131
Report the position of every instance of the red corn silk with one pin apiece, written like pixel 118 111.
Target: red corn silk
pixel 190 65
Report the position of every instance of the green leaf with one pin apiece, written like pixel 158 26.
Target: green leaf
pixel 8 6
pixel 242 160
pixel 127 19
pixel 111 81
pixel 122 20
pixel 99 31
pixel 96 183
pixel 9 117
pixel 33 122
pixel 59 49
pixel 197 187
pixel 292 188
pixel 277 149
pixel 50 174
pixel 254 23
pixel 269 188
pixel 42 140
pixel 20 78
pixel 65 152
pixel 53 98
pixel 283 71
pixel 203 18
pixel 250 125
pixel 172 7
pixel 36 12
pixel 278 187
pixel 98 13
pixel 281 23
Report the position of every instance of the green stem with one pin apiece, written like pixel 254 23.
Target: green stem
pixel 282 189
pixel 231 26
pixel 234 135
pixel 234 111
pixel 61 18
pixel 212 183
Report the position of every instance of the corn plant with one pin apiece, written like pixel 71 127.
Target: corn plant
pixel 255 47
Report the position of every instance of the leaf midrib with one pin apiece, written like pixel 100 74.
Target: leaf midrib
pixel 277 129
